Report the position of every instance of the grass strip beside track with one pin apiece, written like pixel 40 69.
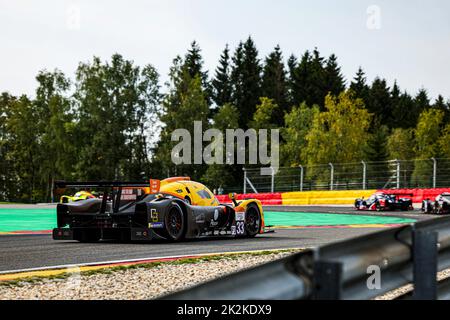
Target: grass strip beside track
pixel 306 219
pixel 16 220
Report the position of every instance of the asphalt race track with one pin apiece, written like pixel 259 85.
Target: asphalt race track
pixel 19 252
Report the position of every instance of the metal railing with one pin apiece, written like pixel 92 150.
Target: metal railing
pixel 412 254
pixel 393 174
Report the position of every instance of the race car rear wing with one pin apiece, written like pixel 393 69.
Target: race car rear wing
pixel 116 186
pixel 101 184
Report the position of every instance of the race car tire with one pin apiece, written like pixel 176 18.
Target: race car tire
pixel 175 223
pixel 252 221
pixel 378 207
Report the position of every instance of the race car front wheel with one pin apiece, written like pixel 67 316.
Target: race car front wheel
pixel 175 223
pixel 252 221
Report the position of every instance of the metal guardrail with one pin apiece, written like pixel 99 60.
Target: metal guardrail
pixel 411 254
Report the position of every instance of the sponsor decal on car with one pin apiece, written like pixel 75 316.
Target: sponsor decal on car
pixel 154 215
pixel 156 225
pixel 200 218
pixel 240 216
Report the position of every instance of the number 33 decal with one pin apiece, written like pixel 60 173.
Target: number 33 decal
pixel 240 227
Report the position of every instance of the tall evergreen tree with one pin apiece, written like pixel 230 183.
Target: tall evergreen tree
pixel 334 80
pixel 300 75
pixel 376 148
pixel 445 107
pixel 193 65
pixel 222 87
pixel 359 85
pixel 379 102
pixel 274 84
pixel 422 101
pixel 318 90
pixel 406 112
pixel 246 77
pixel 291 65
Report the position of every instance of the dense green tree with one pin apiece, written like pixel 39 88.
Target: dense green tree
pixel 334 80
pixel 265 114
pixel 338 134
pixel 274 85
pixel 111 99
pixel 185 102
pixel 55 128
pixel 359 85
pixel 427 145
pixel 379 103
pixel 24 153
pixel 8 186
pixel 406 114
pixel 224 175
pixel 399 144
pixel 300 75
pixel 427 133
pixel 222 87
pixel 297 125
pixel 445 107
pixel 376 147
pixel 246 78
pixel 291 67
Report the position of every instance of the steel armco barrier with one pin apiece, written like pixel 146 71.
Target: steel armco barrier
pixel 411 254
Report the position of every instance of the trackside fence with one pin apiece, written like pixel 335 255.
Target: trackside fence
pixel 361 268
pixel 393 174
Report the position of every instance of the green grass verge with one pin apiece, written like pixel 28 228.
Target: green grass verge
pixel 182 261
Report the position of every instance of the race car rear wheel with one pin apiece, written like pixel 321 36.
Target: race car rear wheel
pixel 252 221
pixel 175 223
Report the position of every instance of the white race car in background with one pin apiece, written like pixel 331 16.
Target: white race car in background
pixel 441 204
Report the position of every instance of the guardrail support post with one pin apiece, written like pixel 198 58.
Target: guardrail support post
pixel 272 187
pixel 301 177
pixel 364 174
pixel 328 280
pixel 331 175
pixel 425 255
pixel 245 181
pixel 434 171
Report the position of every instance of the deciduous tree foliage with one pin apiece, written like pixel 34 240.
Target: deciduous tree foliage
pixel 338 134
pixel 297 125
pixel 111 99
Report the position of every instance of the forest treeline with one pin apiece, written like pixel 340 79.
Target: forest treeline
pixel 113 119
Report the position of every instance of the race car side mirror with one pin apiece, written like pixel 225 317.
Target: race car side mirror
pixel 232 197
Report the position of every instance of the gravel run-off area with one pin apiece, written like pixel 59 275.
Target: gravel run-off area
pixel 133 283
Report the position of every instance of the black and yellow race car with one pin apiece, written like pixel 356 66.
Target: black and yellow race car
pixel 173 209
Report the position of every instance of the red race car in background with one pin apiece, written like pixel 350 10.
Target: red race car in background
pixel 384 202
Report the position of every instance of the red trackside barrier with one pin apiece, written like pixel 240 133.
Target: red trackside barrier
pixel 265 198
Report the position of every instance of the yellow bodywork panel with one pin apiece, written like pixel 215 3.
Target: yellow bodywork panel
pixel 194 192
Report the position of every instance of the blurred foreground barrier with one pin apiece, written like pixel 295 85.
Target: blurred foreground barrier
pixel 359 268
